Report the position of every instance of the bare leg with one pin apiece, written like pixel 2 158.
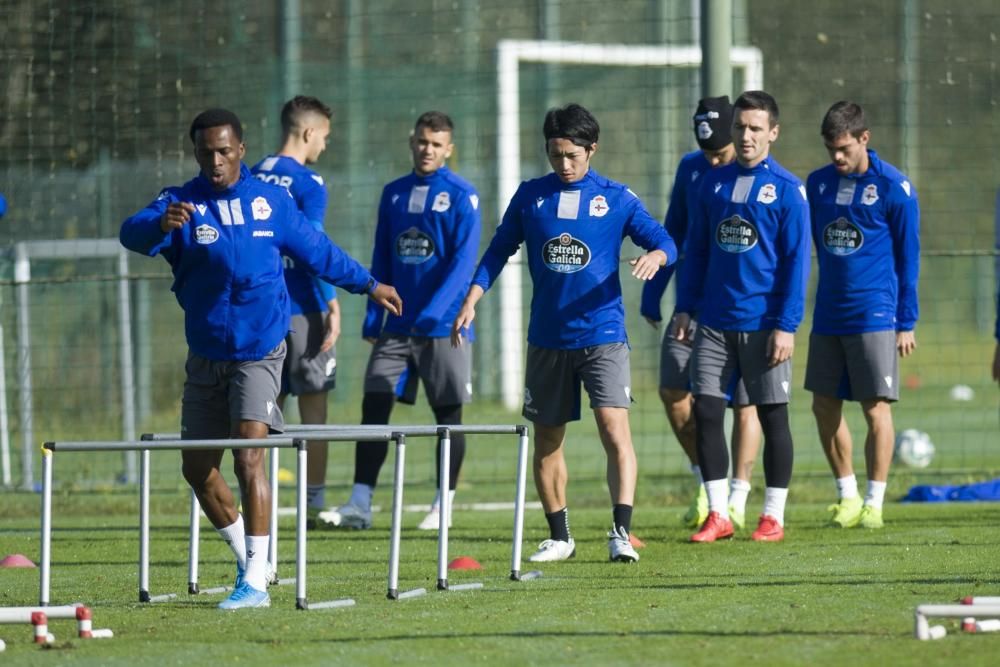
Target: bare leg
pixel 255 491
pixel 677 405
pixel 833 434
pixel 312 408
pixel 745 440
pixel 879 442
pixel 622 470
pixel 201 471
pixel 549 466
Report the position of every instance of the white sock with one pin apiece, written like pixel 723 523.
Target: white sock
pixel 316 495
pixel 718 496
pixel 876 494
pixel 774 503
pixel 361 495
pixel 739 489
pixel 847 487
pixel 436 505
pixel 696 471
pixel 235 537
pixel 256 574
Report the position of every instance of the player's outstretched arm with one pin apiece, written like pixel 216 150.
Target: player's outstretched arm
pixel 467 313
pixel 387 297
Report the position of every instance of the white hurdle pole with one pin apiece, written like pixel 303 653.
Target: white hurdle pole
pixel 46 527
pixel 144 526
pixel 921 629
pixel 195 536
pixel 397 516
pixel 302 452
pixel 522 467
pixel 272 546
pixel 444 475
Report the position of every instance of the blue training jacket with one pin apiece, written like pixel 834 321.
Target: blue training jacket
pixel 573 235
pixel 308 294
pixel 747 251
pixel 426 241
pixel 691 166
pixel 866 229
pixel 227 266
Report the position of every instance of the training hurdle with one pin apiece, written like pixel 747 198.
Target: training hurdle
pixel 39 618
pixel 443 433
pixel 398 434
pixel 49 449
pixel 923 631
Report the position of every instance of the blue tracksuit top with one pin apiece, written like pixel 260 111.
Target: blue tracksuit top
pixel 691 166
pixel 426 241
pixel 573 234
pixel 747 251
pixel 308 294
pixel 866 228
pixel 227 262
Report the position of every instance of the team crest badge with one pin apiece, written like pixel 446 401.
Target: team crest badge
pixel 767 193
pixel 870 195
pixel 599 206
pixel 441 203
pixel 261 209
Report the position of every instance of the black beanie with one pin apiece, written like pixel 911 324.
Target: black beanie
pixel 712 123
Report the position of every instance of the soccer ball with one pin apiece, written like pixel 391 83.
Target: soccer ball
pixel 914 448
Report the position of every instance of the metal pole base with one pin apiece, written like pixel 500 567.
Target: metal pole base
pixel 193 588
pixel 393 594
pixel 442 584
pixel 143 596
pixel 301 604
pixel 515 575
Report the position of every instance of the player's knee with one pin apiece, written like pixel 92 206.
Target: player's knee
pixel 376 407
pixel 448 414
pixel 709 411
pixel 773 418
pixel 248 464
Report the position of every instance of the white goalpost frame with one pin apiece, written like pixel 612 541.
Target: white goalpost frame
pixel 510 55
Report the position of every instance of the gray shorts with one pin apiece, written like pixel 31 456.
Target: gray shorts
pixel 219 394
pixel 721 358
pixel 675 369
pixel 306 369
pixel 552 381
pixel 857 367
pixel 398 363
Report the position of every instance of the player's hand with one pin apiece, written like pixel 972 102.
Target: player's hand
pixel 332 331
pixel 176 216
pixel 387 297
pixel 653 323
pixel 460 327
pixel 680 328
pixel 779 347
pixel 646 266
pixel 906 343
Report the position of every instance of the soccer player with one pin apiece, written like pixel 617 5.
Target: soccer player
pixel 3 206
pixel 426 241
pixel 713 132
pixel 745 273
pixel 866 229
pixel 572 223
pixel 223 234
pixel 996 352
pixel 310 365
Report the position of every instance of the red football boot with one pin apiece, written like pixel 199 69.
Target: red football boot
pixel 714 528
pixel 768 530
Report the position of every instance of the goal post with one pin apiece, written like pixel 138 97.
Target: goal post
pixel 510 55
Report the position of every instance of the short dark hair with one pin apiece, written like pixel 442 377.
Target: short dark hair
pixel 758 100
pixel 436 121
pixel 571 122
pixel 216 118
pixel 300 105
pixel 844 118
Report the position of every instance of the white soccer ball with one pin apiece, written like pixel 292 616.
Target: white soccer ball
pixel 914 448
